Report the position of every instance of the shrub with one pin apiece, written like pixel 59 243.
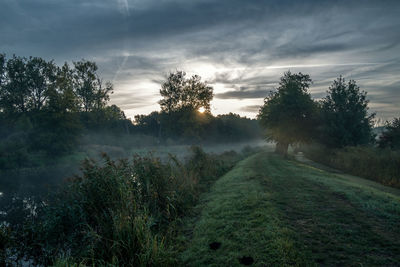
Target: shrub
pixel 4 243
pixel 382 166
pixel 104 215
pixel 118 212
pixel 390 137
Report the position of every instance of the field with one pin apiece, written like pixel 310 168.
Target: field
pixel 265 210
pixel 274 212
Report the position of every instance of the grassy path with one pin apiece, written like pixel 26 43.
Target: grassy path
pixel 282 212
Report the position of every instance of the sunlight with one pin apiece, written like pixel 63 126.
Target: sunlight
pixel 202 109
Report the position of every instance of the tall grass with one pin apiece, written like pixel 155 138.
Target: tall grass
pixel 380 165
pixel 119 212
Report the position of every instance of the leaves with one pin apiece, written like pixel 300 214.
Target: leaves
pixel 391 135
pixel 180 93
pixel 345 115
pixel 288 112
pixel 92 93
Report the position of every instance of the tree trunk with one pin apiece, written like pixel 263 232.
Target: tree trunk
pixel 282 148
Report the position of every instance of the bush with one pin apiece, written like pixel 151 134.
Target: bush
pixel 118 212
pixel 382 166
pixel 4 243
pixel 390 137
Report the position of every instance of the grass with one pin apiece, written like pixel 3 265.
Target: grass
pixel 380 165
pixel 283 213
pixel 123 213
pixel 278 212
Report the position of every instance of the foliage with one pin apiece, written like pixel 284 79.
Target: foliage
pixel 2 68
pixel 390 136
pixel 340 119
pixel 41 78
pixel 288 112
pixel 191 126
pixel 14 90
pixel 5 239
pixel 48 106
pixel 89 87
pixel 181 93
pixel 375 164
pixel 121 213
pixel 345 116
pixel 232 128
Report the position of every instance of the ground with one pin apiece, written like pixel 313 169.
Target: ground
pixel 286 212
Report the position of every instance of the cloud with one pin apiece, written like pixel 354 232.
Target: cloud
pixel 247 44
pixel 251 108
pixel 243 93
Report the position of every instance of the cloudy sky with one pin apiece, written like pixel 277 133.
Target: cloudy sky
pixel 241 47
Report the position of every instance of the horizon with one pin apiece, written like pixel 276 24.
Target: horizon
pixel 239 48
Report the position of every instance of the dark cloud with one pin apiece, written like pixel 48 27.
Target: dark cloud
pixel 249 44
pixel 251 108
pixel 243 93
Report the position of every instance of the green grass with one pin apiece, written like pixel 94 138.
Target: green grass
pixel 379 165
pixel 283 212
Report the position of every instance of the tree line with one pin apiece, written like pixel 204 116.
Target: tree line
pixel 50 106
pixel 339 120
pixel 185 114
pixel 46 107
pixel 33 84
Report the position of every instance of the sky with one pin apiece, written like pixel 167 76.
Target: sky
pixel 240 47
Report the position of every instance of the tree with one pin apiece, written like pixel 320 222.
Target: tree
pixel 2 80
pixel 149 124
pixel 62 96
pixel 345 119
pixel 197 94
pixel 113 112
pixel 288 113
pixel 171 91
pixel 180 93
pixel 25 83
pixel 2 69
pixel 391 135
pixel 89 87
pixel 15 90
pixel 58 126
pixel 48 106
pixel 41 76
